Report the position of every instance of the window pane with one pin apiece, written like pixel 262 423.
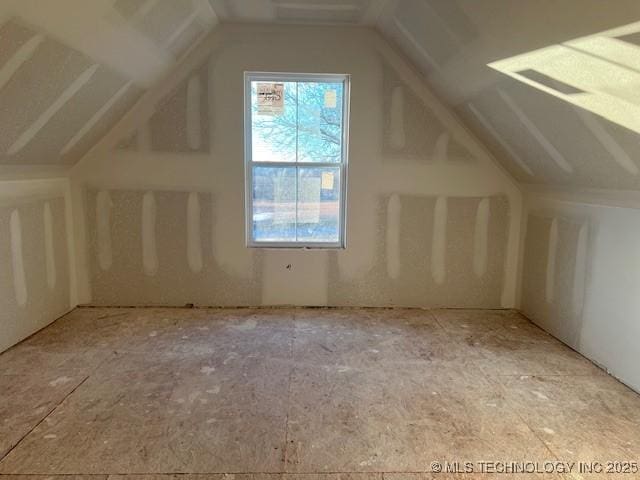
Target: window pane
pixel 273 128
pixel 274 204
pixel 319 204
pixel 320 122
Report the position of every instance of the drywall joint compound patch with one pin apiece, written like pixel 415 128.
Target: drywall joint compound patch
pixel 491 129
pixel 609 143
pixel 553 152
pixel 103 222
pixel 95 118
pixel 580 272
pixel 394 208
pixel 50 112
pixel 438 247
pixel 194 241
pixel 398 138
pixel 481 238
pixel 50 260
pixel 550 283
pixel 149 249
pixel 24 53
pixel 17 259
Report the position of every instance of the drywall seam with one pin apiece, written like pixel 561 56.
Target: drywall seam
pixel 588 196
pixel 607 141
pixel 398 137
pixel 488 186
pixel 103 226
pixel 550 283
pixel 22 55
pixel 553 152
pixel 47 189
pixel 146 104
pixel 448 118
pixel 481 238
pixel 522 242
pixel 95 118
pixel 394 209
pixel 194 128
pixel 491 129
pixel 608 329
pixel 15 172
pixel 194 240
pixel 580 272
pixel 80 241
pixel 439 244
pixel 512 265
pixel 50 260
pixel 149 250
pixel 71 246
pixel 452 122
pixel 48 114
pixel 17 259
pixel 15 189
pixel 444 114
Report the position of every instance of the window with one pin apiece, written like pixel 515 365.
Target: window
pixel 296 142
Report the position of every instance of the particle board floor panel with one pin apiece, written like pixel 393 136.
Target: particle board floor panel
pixel 315 394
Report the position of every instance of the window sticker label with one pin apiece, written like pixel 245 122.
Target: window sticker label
pixel 270 98
pixel 327 181
pixel 330 99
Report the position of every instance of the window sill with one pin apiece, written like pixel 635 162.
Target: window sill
pixel 290 246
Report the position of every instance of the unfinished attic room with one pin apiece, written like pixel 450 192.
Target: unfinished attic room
pixel 319 239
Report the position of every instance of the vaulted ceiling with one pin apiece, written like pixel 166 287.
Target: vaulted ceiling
pixel 550 86
pixel 70 69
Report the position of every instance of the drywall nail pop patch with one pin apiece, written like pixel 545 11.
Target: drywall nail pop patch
pixel 194 243
pixel 149 251
pixel 19 281
pixel 481 238
pixel 103 223
pixel 394 209
pixel 397 137
pixel 49 246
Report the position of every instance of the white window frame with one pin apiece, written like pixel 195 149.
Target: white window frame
pixel 249 163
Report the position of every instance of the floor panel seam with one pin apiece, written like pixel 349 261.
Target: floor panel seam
pixel 288 403
pixel 522 419
pixel 55 407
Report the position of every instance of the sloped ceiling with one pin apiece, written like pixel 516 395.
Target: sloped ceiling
pixel 70 69
pixel 550 86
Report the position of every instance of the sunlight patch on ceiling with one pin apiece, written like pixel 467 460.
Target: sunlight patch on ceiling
pixel 599 73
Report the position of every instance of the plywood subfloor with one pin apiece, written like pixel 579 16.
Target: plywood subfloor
pixel 357 393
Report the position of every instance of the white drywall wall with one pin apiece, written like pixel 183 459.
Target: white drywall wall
pixel 596 306
pixel 374 174
pixel 37 268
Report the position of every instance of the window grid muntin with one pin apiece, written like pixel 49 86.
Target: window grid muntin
pixel 250 164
